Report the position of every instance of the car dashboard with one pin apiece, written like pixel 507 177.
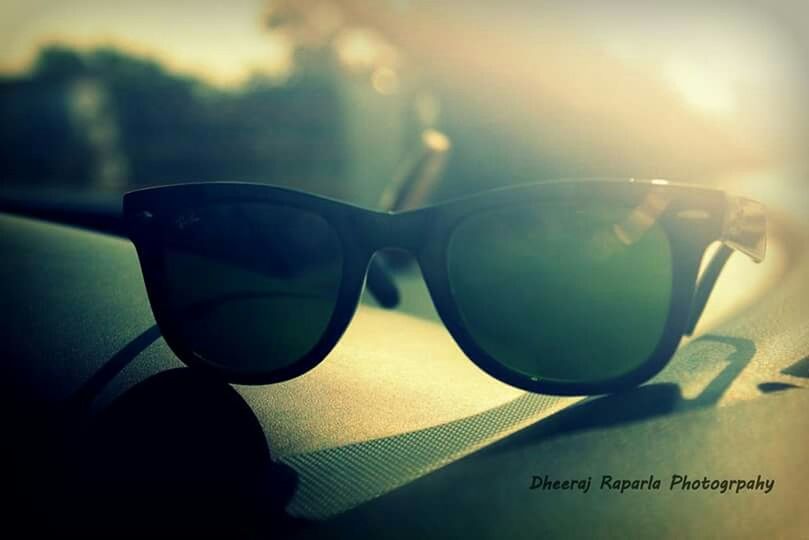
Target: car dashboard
pixel 396 433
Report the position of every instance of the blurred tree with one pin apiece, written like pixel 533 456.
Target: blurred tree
pixel 37 143
pixel 105 119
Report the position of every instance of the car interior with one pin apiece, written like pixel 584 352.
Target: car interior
pixel 392 106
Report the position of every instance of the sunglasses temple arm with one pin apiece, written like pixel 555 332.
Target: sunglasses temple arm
pixel 417 175
pixel 744 229
pixel 705 285
pixel 381 284
pixel 409 188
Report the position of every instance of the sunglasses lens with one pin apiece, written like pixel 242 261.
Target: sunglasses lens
pixel 249 287
pixel 568 294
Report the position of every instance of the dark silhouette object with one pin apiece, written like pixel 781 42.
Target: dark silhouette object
pixel 179 454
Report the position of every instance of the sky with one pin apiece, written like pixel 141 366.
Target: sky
pixel 709 59
pixel 222 42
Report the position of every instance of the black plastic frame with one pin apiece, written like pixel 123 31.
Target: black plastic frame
pixel 693 218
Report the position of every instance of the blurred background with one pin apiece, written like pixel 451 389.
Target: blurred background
pixel 331 96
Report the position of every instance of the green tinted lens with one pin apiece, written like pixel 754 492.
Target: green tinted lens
pixel 250 287
pixel 569 294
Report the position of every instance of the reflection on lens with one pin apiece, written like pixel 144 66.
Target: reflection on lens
pixel 251 287
pixel 555 293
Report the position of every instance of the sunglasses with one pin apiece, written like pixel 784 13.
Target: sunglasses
pixel 567 288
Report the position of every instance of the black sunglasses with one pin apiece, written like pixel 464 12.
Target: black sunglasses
pixel 575 287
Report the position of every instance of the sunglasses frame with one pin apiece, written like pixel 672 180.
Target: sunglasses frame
pixel 693 219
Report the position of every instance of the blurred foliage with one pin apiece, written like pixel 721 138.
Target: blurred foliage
pixel 103 119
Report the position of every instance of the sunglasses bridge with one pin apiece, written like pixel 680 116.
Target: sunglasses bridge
pixel 400 231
